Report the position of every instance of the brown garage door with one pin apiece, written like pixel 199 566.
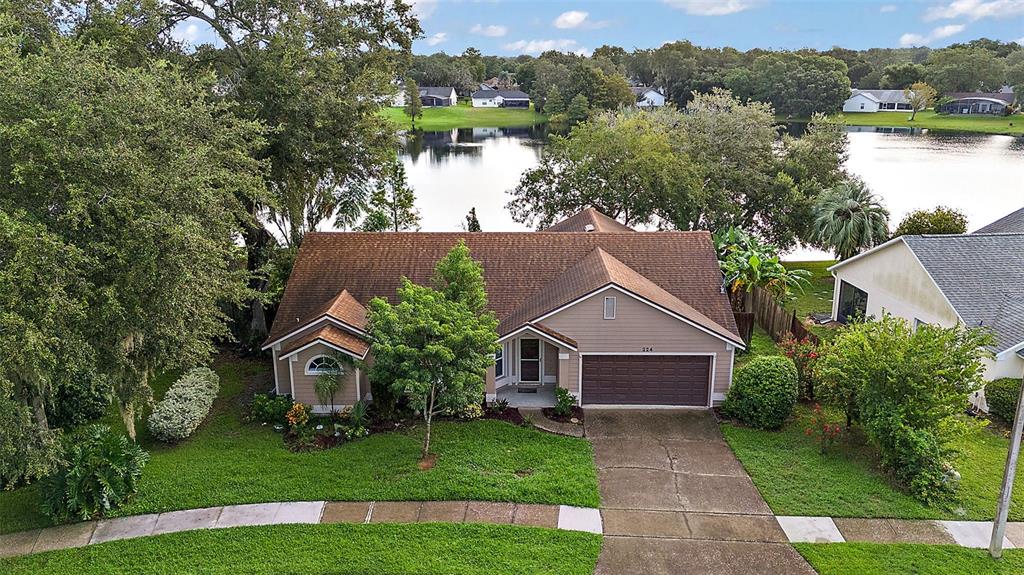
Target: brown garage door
pixel 646 379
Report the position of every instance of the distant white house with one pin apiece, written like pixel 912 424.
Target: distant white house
pixel 500 99
pixel 648 97
pixel 877 101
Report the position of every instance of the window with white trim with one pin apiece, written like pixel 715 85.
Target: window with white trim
pixel 609 307
pixel 323 364
pixel 499 362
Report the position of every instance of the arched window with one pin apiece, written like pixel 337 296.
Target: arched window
pixel 322 364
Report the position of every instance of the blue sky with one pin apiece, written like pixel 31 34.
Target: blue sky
pixel 511 27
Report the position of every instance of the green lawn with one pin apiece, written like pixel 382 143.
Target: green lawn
pixel 230 462
pixel 816 297
pixel 466 116
pixel 906 559
pixel 760 344
pixel 795 479
pixel 335 549
pixel 1010 125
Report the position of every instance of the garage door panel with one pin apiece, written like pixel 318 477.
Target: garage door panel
pixel 646 380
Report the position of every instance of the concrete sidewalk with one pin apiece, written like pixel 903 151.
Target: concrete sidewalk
pixel 300 512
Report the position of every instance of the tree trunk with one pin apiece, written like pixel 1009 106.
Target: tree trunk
pixel 257 239
pixel 429 416
pixel 913 114
pixel 128 417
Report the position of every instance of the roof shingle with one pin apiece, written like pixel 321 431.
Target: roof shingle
pixel 590 216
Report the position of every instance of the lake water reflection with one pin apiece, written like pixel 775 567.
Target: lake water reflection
pixel 981 175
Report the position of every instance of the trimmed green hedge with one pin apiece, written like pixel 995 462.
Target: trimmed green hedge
pixel 185 405
pixel 1001 396
pixel 763 392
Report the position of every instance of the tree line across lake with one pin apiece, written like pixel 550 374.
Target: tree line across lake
pixel 796 83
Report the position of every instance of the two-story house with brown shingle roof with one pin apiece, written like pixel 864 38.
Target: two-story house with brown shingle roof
pixel 616 316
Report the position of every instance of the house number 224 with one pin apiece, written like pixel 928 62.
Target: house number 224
pixel 646 349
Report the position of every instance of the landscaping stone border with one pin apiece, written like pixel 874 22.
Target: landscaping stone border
pixel 537 418
pixel 300 512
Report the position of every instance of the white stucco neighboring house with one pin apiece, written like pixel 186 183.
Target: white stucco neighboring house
pixel 647 97
pixel 970 279
pixel 877 101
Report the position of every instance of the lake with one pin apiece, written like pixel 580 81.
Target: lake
pixel 981 175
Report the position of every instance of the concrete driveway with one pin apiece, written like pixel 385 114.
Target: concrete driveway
pixel 676 500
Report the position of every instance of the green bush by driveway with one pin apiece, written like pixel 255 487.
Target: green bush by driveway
pixel 229 462
pixel 335 549
pixel 796 479
pixel 906 559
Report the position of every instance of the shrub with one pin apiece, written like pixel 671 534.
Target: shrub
pixel 100 472
pixel 941 220
pixel 564 402
pixel 1001 396
pixel 822 429
pixel 763 392
pixel 357 415
pixel 270 408
pixel 26 451
pixel 468 411
pixel 804 354
pixel 919 461
pixel 81 399
pixel 185 405
pixel 298 416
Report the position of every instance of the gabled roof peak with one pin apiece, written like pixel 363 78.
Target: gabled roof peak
pixel 589 220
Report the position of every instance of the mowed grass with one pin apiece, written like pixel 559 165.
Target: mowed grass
pixel 760 344
pixel 907 559
pixel 1009 125
pixel 465 116
pixel 334 549
pixel 230 462
pixel 796 479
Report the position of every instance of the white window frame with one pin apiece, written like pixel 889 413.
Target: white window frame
pixel 604 309
pixel 499 362
pixel 309 371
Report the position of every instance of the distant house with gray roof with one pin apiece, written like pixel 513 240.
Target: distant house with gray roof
pixel 877 101
pixel 992 103
pixel 973 280
pixel 433 96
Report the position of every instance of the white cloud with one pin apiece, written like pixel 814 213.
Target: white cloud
pixel 936 34
pixel 976 9
pixel 186 32
pixel 493 31
pixel 538 46
pixel 888 8
pixel 423 8
pixel 570 19
pixel 712 7
pixel 436 39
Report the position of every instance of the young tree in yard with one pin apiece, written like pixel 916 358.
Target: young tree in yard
pixel 921 96
pixel 413 104
pixel 142 174
pixel 941 220
pixel 392 206
pixel 906 387
pixel 848 218
pixel 578 110
pixel 435 344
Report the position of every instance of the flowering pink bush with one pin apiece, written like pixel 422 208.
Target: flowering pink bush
pixel 805 354
pixel 821 429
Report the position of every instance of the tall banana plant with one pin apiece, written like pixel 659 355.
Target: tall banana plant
pixel 747 262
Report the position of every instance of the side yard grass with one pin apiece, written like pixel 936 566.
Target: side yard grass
pixel 906 559
pixel 796 479
pixel 229 462
pixel 465 116
pixel 335 549
pixel 1009 125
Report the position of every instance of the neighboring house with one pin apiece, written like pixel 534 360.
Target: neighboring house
pixel 877 101
pixel 647 97
pixel 398 100
pixel 500 99
pixel 617 317
pixel 432 96
pixel 976 103
pixel 1009 224
pixel 969 279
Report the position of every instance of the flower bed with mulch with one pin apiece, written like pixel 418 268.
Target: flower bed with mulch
pixel 575 414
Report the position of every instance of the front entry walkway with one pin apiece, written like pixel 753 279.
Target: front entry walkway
pixel 676 500
pixel 528 396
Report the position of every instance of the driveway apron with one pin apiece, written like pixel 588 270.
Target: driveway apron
pixel 676 500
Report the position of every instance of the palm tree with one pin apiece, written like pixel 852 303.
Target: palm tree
pixel 848 218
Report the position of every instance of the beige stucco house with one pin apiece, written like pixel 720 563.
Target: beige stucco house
pixel 976 280
pixel 616 316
